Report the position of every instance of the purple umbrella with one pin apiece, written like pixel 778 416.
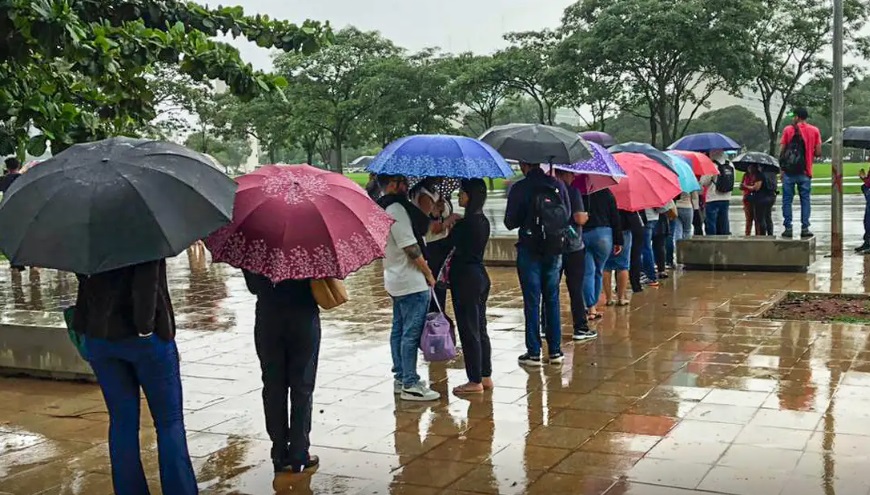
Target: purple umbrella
pixel 599 172
pixel 598 137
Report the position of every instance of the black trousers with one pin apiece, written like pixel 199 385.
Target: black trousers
pixel 574 271
pixel 697 223
pixel 470 287
pixel 763 210
pixel 288 345
pixel 659 251
pixel 635 267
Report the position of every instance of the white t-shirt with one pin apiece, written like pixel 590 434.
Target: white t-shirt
pixel 401 275
pixel 712 193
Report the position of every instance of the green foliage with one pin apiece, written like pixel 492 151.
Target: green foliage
pixel 78 70
pixel 230 153
pixel 525 66
pixel 735 122
pixel 480 83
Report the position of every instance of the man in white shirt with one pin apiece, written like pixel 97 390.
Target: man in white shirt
pixel 719 189
pixel 408 280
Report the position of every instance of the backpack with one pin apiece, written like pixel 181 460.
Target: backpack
pixel 768 183
pixel 548 222
pixel 725 179
pixel 793 159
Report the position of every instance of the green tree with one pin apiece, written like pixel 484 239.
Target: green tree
pixel 479 83
pixel 525 65
pixel 77 71
pixel 790 45
pixel 332 89
pixel 229 153
pixel 671 54
pixel 266 118
pixel 736 122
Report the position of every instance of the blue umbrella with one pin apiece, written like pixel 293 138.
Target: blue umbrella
pixel 688 181
pixel 440 156
pixel 704 142
pixel 647 150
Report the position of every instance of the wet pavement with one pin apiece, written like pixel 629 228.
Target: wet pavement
pixel 683 393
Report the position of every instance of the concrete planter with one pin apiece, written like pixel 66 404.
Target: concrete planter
pixel 759 253
pixel 36 344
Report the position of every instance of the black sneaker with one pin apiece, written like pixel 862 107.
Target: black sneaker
pixel 532 361
pixel 585 334
pixel 806 234
pixel 862 247
pixel 787 233
pixel 296 467
pixel 557 358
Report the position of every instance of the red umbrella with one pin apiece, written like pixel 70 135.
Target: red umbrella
pixel 648 185
pixel 701 163
pixel 298 222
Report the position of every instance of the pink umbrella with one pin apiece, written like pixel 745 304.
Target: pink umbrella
pixel 648 184
pixel 299 222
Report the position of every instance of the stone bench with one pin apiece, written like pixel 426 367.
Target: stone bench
pixel 501 251
pixel 36 344
pixel 757 253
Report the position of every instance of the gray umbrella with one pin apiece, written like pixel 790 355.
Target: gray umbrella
pixel 856 137
pixel 537 143
pixel 743 161
pixel 114 203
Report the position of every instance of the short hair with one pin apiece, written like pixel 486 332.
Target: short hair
pixel 385 179
pixel 12 163
pixel 801 113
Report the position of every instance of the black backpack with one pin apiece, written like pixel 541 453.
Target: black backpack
pixel 793 159
pixel 768 183
pixel 548 222
pixel 725 179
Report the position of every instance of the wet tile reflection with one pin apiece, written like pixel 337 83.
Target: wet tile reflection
pixel 683 393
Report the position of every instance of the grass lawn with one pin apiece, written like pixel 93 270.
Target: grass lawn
pixel 821 176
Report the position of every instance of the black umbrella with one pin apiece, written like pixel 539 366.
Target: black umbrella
pixel 647 150
pixel 537 143
pixel 743 161
pixel 114 203
pixel 856 137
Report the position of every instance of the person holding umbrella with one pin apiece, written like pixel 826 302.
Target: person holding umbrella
pixel 574 259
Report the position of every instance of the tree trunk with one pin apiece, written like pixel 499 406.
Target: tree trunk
pixel 309 155
pixel 653 129
pixel 337 153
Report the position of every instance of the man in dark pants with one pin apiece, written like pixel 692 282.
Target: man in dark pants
pixel 287 339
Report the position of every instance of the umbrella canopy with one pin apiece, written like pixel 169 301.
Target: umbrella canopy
pixel 648 150
pixel 701 164
pixel 363 161
pixel 599 172
pixel 685 174
pixel 299 222
pixel 743 161
pixel 856 137
pixel 109 204
pixel 598 137
pixel 440 156
pixel 537 143
pixel 648 184
pixel 705 141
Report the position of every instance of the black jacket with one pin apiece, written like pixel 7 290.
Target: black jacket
pixel 124 303
pixel 289 294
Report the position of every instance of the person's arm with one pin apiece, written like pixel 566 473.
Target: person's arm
pixel 403 233
pixel 787 134
pixel 144 287
pixel 512 212
pixel 755 186
pixel 578 213
pixel 416 254
pixel 817 146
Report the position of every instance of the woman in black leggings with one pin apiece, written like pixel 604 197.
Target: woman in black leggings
pixel 470 285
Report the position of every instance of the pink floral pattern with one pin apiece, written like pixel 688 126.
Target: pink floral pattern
pixel 318 247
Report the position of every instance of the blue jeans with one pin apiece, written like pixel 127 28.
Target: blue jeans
pixel 648 259
pixel 804 186
pixel 599 247
pixel 121 368
pixel 866 214
pixel 717 218
pixel 539 279
pixel 684 223
pixel 409 317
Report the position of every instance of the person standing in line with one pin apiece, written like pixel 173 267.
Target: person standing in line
pixel 602 236
pixel 801 142
pixel 538 205
pixel 287 340
pixel 373 187
pixel 699 202
pixel 425 196
pixel 763 200
pixel 648 260
pixel 681 226
pixel 747 186
pixel 408 280
pixel 864 248
pixel 620 263
pixel 574 260
pixel 127 320
pixel 470 284
pixel 13 172
pixel 719 192
pixel 631 221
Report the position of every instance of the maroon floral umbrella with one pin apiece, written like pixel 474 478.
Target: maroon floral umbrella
pixel 298 222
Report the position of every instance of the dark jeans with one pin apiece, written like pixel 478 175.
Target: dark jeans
pixel 539 280
pixel 470 287
pixel 697 223
pixel 574 270
pixel 762 210
pixel 804 187
pixel 648 256
pixel 122 368
pixel 717 218
pixel 287 340
pixel 634 268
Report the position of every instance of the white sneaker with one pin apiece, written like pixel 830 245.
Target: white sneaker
pixel 420 393
pixel 397 386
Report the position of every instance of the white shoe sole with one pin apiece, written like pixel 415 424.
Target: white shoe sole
pixel 531 364
pixel 417 398
pixel 581 338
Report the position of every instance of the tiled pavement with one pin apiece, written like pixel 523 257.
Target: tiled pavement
pixel 683 393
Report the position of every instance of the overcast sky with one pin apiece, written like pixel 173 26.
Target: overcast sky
pixel 453 25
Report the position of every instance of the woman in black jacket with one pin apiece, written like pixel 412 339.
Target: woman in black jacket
pixel 129 327
pixel 470 285
pixel 287 339
pixel 602 235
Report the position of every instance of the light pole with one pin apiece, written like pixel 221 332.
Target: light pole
pixel 837 138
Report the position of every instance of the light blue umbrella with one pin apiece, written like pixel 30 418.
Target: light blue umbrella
pixel 688 181
pixel 440 156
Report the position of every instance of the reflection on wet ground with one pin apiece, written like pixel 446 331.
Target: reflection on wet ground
pixel 683 393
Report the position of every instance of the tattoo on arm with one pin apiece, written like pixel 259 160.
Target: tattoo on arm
pixel 413 251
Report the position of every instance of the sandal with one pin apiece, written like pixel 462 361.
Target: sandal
pixel 610 302
pixel 623 302
pixel 468 388
pixel 595 316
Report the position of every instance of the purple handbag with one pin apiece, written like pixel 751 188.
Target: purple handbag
pixel 437 341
